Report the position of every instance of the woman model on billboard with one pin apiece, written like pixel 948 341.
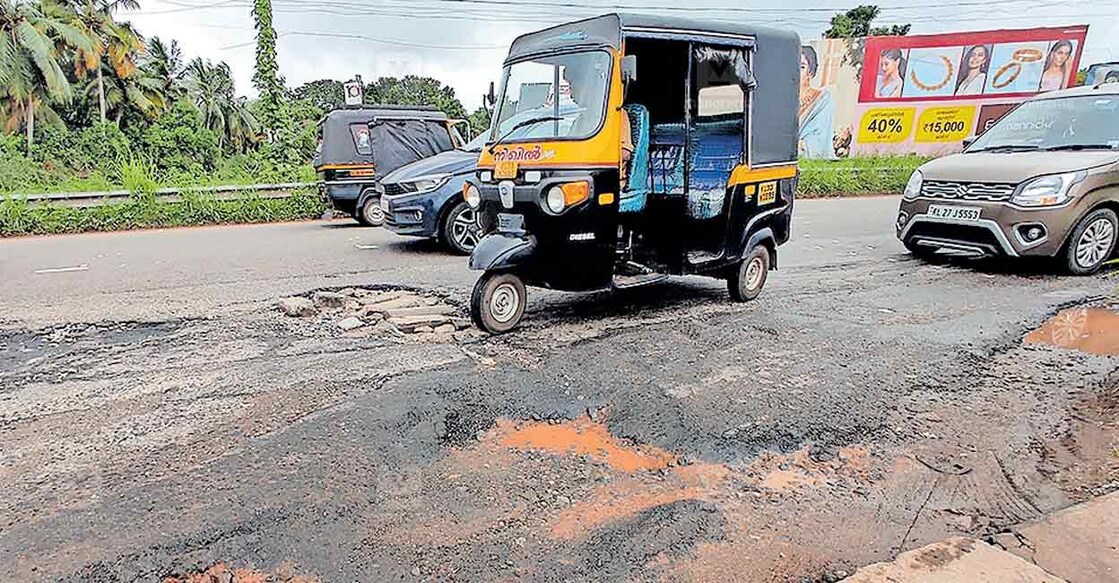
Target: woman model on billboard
pixel 815 110
pixel 1056 67
pixel 892 64
pixel 973 70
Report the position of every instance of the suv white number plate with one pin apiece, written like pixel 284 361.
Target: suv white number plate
pixel 959 213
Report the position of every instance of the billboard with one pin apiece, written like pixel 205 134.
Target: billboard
pixel 924 94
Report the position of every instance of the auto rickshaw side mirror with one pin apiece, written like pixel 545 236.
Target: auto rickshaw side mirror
pixel 629 68
pixel 490 97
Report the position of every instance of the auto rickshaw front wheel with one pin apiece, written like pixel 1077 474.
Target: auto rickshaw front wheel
pixel 747 281
pixel 498 302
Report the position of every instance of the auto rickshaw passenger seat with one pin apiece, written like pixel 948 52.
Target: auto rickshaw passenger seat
pixel 637 189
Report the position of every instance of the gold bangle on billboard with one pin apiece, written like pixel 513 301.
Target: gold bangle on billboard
pixel 995 83
pixel 1026 55
pixel 949 68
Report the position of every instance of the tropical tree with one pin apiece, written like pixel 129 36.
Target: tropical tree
pixel 854 26
pixel 165 62
pixel 107 38
pixel 141 91
pixel 210 88
pixel 31 75
pixel 414 90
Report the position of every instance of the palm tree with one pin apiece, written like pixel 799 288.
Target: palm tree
pixel 30 64
pixel 141 90
pixel 117 40
pixel 210 88
pixel 165 62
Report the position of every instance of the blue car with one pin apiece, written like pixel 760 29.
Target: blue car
pixel 424 198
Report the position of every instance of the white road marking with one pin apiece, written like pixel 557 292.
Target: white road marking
pixel 82 267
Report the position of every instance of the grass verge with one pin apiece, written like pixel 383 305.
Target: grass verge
pixel 855 176
pixel 144 211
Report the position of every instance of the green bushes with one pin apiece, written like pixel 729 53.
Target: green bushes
pixel 855 176
pixel 142 211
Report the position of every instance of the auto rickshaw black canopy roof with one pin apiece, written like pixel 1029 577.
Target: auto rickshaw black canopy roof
pixel 774 61
pixel 396 133
pixel 609 30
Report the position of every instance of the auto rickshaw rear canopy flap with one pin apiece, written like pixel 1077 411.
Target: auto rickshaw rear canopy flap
pixel 390 133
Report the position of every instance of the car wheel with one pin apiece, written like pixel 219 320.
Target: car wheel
pixel 1092 242
pixel 460 230
pixel 746 282
pixel 498 302
pixel 370 213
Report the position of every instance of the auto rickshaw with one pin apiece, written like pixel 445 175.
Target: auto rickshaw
pixel 598 177
pixel 359 145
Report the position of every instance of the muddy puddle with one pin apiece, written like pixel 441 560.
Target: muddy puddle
pixel 1090 330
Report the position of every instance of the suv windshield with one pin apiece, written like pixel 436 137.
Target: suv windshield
pixel 1084 121
pixel 529 88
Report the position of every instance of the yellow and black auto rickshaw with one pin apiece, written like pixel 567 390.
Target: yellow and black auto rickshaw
pixel 628 148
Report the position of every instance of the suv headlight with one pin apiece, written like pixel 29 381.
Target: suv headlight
pixel 427 183
pixel 913 187
pixel 1049 190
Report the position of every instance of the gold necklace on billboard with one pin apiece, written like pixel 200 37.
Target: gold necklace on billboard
pixel 1017 59
pixel 949 68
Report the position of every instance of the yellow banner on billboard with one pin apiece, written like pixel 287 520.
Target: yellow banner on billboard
pixel 886 125
pixel 945 124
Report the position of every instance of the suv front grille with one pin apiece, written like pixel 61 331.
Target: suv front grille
pixel 394 189
pixel 976 191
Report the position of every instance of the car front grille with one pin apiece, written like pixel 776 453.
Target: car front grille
pixel 393 189
pixel 975 191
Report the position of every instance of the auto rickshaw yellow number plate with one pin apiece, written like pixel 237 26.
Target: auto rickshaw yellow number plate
pixel 767 193
pixel 505 170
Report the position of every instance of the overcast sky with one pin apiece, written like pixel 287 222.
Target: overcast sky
pixel 462 42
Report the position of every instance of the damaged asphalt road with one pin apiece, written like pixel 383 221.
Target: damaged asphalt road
pixel 865 404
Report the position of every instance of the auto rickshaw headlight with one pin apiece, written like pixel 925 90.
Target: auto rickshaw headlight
pixel 472 195
pixel 554 199
pixel 566 195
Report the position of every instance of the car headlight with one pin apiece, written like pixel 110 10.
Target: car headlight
pixel 428 183
pixel 1049 190
pixel 472 195
pixel 913 187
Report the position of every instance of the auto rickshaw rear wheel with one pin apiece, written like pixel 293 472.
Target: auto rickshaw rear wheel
pixel 370 213
pixel 498 302
pixel 746 282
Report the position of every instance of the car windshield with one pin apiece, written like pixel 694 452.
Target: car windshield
pixel 529 90
pixel 1080 122
pixel 476 144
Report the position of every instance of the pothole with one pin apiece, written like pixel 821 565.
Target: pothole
pixel 399 314
pixel 221 573
pixel 1089 330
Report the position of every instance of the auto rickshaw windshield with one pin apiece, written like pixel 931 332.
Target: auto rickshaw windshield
pixel 529 89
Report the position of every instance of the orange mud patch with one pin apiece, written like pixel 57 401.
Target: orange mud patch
pixel 220 572
pixel 582 436
pixel 1091 330
pixel 633 495
pixel 781 473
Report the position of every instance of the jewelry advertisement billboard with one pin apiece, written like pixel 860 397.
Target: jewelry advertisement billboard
pixel 924 94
